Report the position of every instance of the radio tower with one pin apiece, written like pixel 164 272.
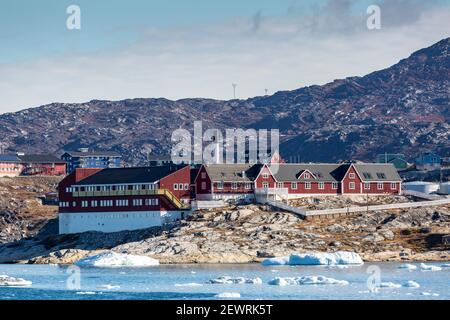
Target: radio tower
pixel 234 90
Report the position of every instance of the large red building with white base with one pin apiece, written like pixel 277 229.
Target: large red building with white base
pixel 110 200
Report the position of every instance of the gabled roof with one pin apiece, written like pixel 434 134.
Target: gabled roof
pixel 40 158
pixel 93 154
pixel 129 175
pixel 322 171
pixel 9 158
pixel 377 172
pixel 233 172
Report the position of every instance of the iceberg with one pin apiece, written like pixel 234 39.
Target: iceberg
pixel 237 280
pixel 7 281
pixel 429 267
pixel 411 284
pixel 305 280
pixel 228 295
pixel 407 266
pixel 112 259
pixel 317 258
pixel 389 285
pixel 109 287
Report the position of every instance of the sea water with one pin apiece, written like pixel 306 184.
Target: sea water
pixel 191 282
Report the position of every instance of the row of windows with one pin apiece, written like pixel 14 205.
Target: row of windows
pixel 113 188
pixel 234 185
pixel 111 203
pixel 115 215
pixel 180 186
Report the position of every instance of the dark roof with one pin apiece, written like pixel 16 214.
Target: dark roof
pixel 40 158
pixel 9 158
pixel 129 175
pixel 377 172
pixel 93 154
pixel 233 172
pixel 321 172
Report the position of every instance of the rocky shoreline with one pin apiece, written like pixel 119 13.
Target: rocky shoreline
pixel 251 233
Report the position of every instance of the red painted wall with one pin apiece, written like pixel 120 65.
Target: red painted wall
pixel 47 169
pixel 182 176
pixel 347 180
pixel 203 178
pixel 270 180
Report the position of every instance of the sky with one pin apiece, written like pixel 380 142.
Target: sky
pixel 180 49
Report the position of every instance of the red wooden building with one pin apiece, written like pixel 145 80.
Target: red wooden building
pixel 41 164
pixel 110 200
pixel 239 181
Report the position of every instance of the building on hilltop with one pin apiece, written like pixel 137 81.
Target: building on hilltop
pixel 86 159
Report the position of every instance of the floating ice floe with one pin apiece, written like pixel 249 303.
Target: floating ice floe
pixel 113 259
pixel 86 292
pixel 109 287
pixel 317 258
pixel 305 280
pixel 389 285
pixel 7 281
pixel 445 265
pixel 228 295
pixel 429 267
pixel 407 266
pixel 192 284
pixel 411 284
pixel 237 280
pixel 430 294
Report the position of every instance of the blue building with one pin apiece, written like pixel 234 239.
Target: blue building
pixel 428 161
pixel 83 158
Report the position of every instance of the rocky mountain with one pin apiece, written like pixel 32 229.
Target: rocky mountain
pixel 404 108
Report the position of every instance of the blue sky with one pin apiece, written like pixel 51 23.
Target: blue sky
pixel 176 48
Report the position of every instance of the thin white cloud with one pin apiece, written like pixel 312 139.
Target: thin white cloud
pixel 279 53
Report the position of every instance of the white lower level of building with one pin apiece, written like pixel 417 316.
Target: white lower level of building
pixel 78 222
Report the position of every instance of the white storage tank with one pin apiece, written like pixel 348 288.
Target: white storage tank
pixel 421 186
pixel 444 188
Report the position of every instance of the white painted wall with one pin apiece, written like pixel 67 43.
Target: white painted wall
pixel 108 221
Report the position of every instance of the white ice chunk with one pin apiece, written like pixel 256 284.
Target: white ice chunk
pixel 237 280
pixel 389 285
pixel 317 258
pixel 113 259
pixel 7 281
pixel 305 280
pixel 228 295
pixel 192 284
pixel 445 265
pixel 429 267
pixel 407 266
pixel 411 284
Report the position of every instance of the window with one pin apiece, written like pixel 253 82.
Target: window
pixel 367 175
pixel 186 186
pixel 351 175
pixel 175 186
pixel 307 176
pixel 334 185
pixel 203 175
pixel 137 202
pixel 366 186
pixel 380 186
pixel 393 186
pixel 381 175
pixel 180 186
pixel 220 185
pixel 203 185
pixel 307 185
pixel 265 185
pixel 351 186
pixel 294 185
pixel 248 186
pixel 94 203
pixel 234 186
pixel 265 175
pixel 321 185
pixel 280 185
pixel 84 204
